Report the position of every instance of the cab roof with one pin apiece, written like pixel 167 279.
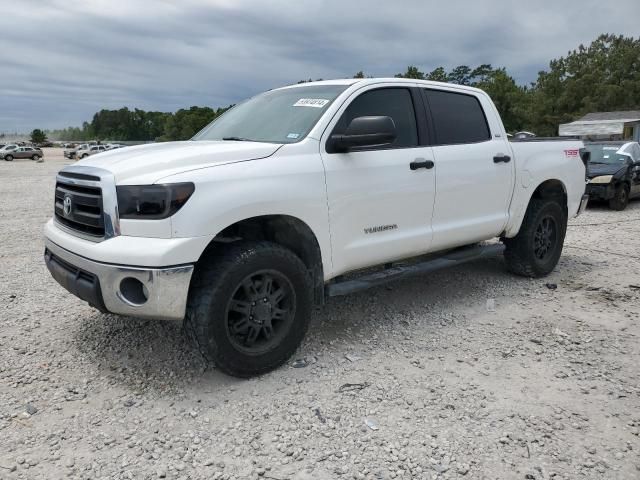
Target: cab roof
pixel 372 81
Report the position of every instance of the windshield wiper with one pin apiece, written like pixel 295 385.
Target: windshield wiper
pixel 237 139
pixel 598 163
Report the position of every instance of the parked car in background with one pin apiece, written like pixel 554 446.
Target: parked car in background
pixel 112 146
pixel 34 153
pixel 92 150
pixel 613 172
pixel 72 153
pixel 523 134
pixel 8 147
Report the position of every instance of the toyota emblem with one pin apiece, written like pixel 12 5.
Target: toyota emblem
pixel 66 206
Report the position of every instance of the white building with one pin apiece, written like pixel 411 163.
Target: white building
pixel 605 125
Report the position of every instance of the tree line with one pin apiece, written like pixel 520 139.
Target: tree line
pixel 140 125
pixel 603 76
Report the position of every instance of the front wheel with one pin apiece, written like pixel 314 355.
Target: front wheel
pixel 35 158
pixel 535 251
pixel 8 158
pixel 249 307
pixel 620 199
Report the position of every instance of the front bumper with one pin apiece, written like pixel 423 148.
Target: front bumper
pixel 159 293
pixel 600 191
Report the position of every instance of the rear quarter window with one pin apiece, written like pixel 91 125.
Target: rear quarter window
pixel 457 118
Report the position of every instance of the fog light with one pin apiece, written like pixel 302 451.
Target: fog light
pixel 133 291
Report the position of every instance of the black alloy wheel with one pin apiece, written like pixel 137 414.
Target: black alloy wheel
pixel 249 306
pixel 545 238
pixel 536 249
pixel 260 312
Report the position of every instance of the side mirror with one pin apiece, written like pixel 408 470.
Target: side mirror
pixel 371 131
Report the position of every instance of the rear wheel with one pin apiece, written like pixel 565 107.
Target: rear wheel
pixel 621 198
pixel 8 158
pixel 535 251
pixel 249 307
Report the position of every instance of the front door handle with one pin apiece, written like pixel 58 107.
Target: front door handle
pixel 501 158
pixel 421 163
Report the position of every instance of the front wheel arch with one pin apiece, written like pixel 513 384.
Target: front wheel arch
pixel 288 231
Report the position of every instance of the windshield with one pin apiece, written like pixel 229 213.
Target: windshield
pixel 606 154
pixel 277 116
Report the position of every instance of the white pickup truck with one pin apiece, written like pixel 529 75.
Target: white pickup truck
pixel 239 230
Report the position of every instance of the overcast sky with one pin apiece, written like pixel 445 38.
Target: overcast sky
pixel 62 60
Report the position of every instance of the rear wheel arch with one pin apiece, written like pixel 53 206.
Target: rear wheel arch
pixel 285 230
pixel 536 248
pixel 551 189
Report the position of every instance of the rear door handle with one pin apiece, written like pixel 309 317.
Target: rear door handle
pixel 501 158
pixel 421 163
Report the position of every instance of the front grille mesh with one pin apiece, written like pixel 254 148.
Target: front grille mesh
pixel 86 213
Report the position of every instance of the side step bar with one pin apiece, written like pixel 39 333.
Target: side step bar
pixel 449 259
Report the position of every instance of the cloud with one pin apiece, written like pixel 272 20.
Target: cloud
pixel 61 61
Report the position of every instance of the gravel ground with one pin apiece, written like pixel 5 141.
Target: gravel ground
pixel 465 373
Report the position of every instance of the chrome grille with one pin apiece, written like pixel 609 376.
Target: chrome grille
pixel 92 205
pixel 84 211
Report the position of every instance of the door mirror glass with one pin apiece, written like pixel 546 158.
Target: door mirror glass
pixel 370 131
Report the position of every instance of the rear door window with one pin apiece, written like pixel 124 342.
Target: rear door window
pixel 457 118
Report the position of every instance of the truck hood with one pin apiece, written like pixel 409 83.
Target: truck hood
pixel 146 164
pixel 595 170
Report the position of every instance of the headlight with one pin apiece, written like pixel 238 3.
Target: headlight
pixel 601 179
pixel 152 202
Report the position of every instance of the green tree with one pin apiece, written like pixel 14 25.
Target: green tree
pixel 481 73
pixel 437 75
pixel 38 136
pixel 184 124
pixel 603 76
pixel 460 75
pixel 510 99
pixel 412 72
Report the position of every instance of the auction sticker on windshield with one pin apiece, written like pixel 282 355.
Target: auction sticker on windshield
pixel 311 102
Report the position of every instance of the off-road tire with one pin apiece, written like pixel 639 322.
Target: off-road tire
pixel 520 252
pixel 216 279
pixel 620 199
pixel 8 158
